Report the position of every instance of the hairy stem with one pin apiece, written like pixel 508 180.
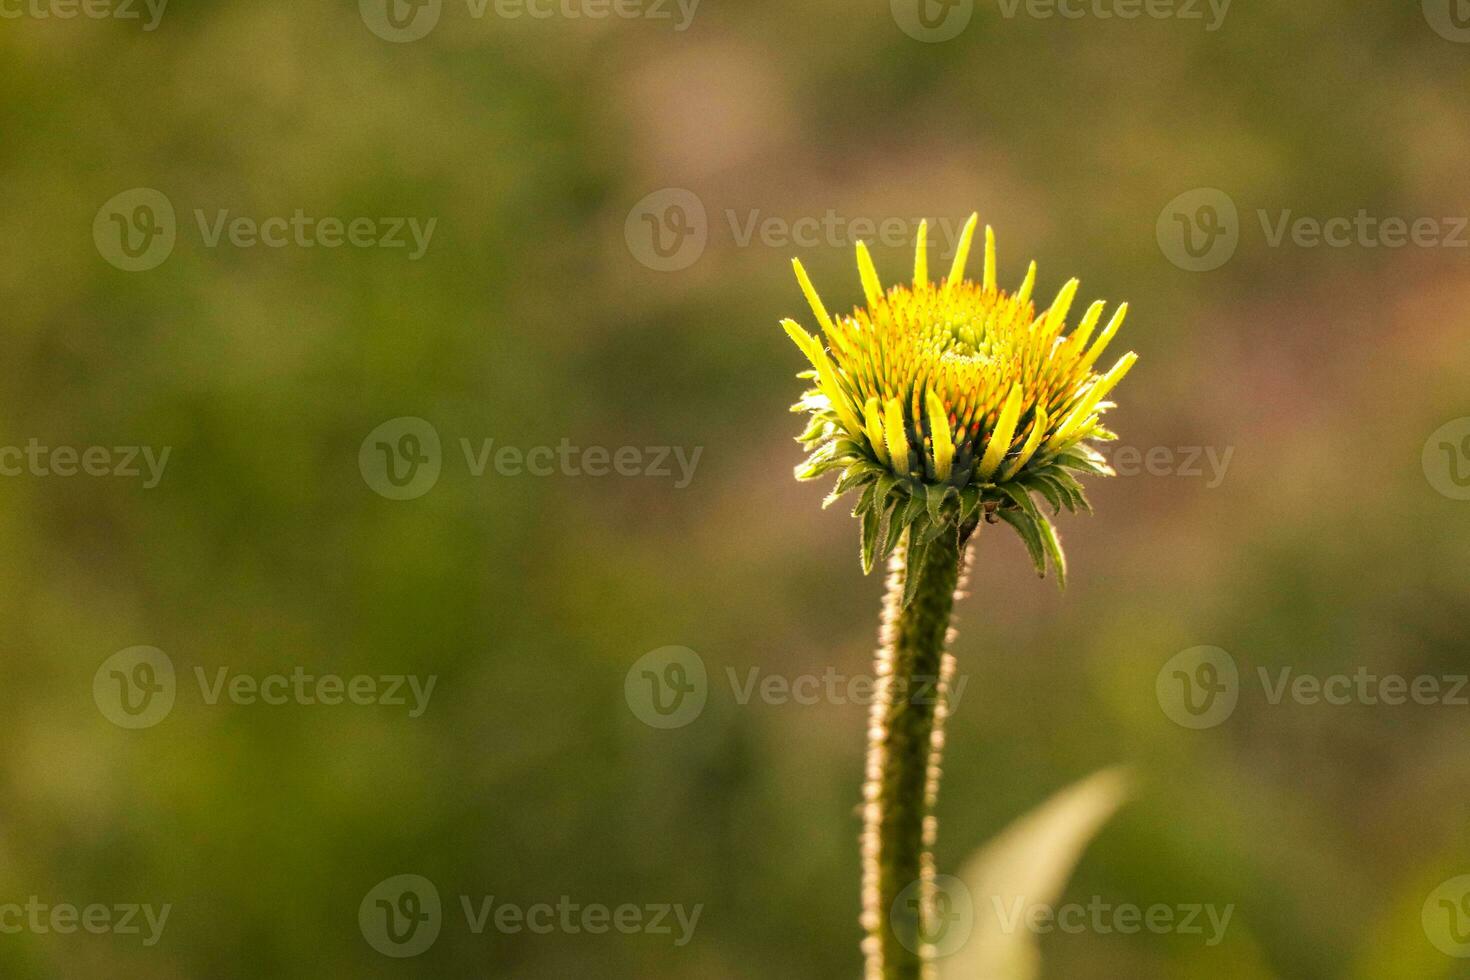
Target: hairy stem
pixel 905 740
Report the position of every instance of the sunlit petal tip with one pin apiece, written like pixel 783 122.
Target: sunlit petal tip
pixel 921 255
pixel 940 434
pixel 1033 443
pixel 1023 295
pixel 894 435
pixel 811 295
pixel 962 252
pixel 872 288
pixel 1060 306
pixel 1000 438
pixel 873 426
pixel 989 259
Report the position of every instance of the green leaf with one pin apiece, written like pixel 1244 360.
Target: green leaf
pixel 871 521
pixel 915 507
pixel 895 526
pixel 1053 545
pixel 914 564
pixel 1026 528
pixel 969 504
pixel 1049 490
pixel 886 482
pixel 1026 866
pixel 934 500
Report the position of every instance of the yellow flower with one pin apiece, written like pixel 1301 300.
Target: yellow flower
pixel 945 401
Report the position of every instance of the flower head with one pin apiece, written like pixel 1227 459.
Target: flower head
pixel 946 402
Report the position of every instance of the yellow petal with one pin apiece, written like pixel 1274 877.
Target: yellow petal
pixel 1102 341
pixel 1057 315
pixel 1078 419
pixel 873 425
pixel 826 375
pixel 1000 438
pixel 942 437
pixel 989 260
pixel 921 255
pixel 811 296
pixel 1078 340
pixel 1033 441
pixel 962 252
pixel 872 288
pixel 894 435
pixel 1026 286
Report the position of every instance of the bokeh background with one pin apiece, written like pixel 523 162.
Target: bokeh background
pixel 538 314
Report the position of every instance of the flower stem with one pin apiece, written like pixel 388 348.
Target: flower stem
pixel 905 739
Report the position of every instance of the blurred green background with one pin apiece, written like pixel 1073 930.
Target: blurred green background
pixel 535 315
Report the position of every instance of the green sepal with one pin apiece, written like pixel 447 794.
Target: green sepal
pixel 895 527
pixel 1029 534
pixel 866 501
pixel 871 521
pixel 914 566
